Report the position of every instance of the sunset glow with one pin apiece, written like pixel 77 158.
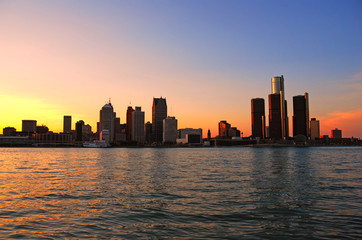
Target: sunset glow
pixel 208 58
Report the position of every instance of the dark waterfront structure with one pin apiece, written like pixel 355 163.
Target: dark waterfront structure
pixel 301 115
pixel 336 133
pixel 79 130
pixel 275 120
pixel 130 110
pixel 258 117
pixel 9 131
pixel 42 129
pixel 67 124
pixel 159 113
pixel 29 126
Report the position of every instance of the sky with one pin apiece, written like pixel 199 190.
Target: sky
pixel 208 58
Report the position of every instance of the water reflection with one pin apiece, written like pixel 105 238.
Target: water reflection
pixel 200 193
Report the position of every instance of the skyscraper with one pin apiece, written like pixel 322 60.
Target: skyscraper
pixel 148 132
pixel 130 110
pixel 301 115
pixel 67 124
pixel 79 130
pixel 277 85
pixel 106 120
pixel 314 129
pixel 258 117
pixel 159 113
pixel 275 121
pixel 169 130
pixel 138 129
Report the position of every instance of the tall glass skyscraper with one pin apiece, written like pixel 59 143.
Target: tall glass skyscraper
pixel 159 112
pixel 277 86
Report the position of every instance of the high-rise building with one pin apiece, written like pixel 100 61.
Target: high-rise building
pixel 301 115
pixel 258 117
pixel 29 126
pixel 87 132
pixel 148 132
pixel 275 121
pixel 277 85
pixel 106 120
pixel 224 127
pixel 79 130
pixel 208 134
pixel 138 129
pixel 130 110
pixel 67 124
pixel 314 129
pixel 336 133
pixel 159 113
pixel 169 130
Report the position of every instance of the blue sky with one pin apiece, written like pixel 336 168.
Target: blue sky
pixel 213 55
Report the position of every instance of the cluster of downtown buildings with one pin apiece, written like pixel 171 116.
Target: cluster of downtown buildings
pixel 163 129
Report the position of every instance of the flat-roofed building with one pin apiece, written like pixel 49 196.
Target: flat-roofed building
pixel 67 124
pixel 29 126
pixel 314 129
pixel 275 120
pixel 159 113
pixel 169 130
pixel 258 117
pixel 138 122
pixel 336 133
pixel 301 115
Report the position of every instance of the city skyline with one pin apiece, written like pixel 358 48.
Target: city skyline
pixel 207 58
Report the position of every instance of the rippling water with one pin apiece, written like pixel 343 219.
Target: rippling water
pixel 203 193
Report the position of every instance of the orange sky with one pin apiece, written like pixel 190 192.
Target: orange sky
pixel 61 59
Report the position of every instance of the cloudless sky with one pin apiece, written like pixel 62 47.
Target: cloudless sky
pixel 208 58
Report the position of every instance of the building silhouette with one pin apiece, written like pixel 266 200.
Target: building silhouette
pixel 314 129
pixel 9 131
pixel 148 133
pixel 258 117
pixel 169 130
pixel 208 134
pixel 130 110
pixel 336 133
pixel 277 85
pixel 67 124
pixel 182 134
pixel 301 115
pixel 224 127
pixel 138 122
pixel 29 126
pixel 233 132
pixel 275 120
pixel 79 130
pixel 159 113
pixel 42 129
pixel 106 121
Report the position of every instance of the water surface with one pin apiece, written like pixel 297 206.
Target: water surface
pixel 181 193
